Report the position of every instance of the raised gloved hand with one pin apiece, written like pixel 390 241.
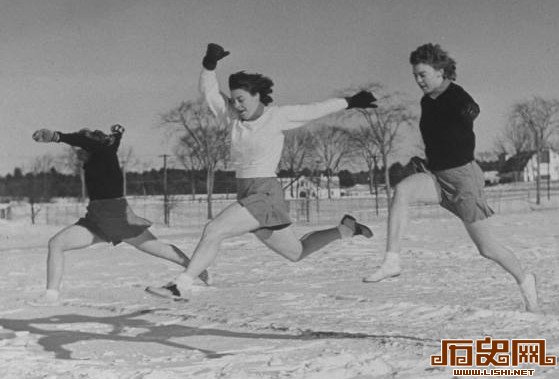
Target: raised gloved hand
pixel 117 129
pixel 362 99
pixel 46 135
pixel 214 53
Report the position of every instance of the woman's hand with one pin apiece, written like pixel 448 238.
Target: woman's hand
pixel 214 53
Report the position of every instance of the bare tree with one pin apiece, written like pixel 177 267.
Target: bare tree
pixel 72 160
pixel 364 144
pixel 541 118
pixel 296 152
pixel 39 183
pixel 331 146
pixel 515 137
pixel 191 163
pixel 127 160
pixel 385 123
pixel 363 140
pixel 205 137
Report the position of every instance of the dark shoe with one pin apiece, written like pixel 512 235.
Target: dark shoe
pixel 358 229
pixel 168 291
pixel 204 276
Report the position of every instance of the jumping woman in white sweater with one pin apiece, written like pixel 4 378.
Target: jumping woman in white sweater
pixel 256 144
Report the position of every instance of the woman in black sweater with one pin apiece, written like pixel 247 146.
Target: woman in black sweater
pixel 450 176
pixel 109 218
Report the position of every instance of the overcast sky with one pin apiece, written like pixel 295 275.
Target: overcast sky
pixel 68 64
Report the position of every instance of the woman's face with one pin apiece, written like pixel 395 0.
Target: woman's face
pixel 248 106
pixel 428 78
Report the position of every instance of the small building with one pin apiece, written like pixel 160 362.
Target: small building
pixel 523 167
pixel 311 187
pixel 6 211
pixel 491 177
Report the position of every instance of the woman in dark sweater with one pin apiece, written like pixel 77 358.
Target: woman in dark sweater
pixel 109 218
pixel 450 176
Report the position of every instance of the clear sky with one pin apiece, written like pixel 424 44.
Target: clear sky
pixel 68 64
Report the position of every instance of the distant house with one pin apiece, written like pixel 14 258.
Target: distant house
pixel 523 167
pixel 491 177
pixel 311 187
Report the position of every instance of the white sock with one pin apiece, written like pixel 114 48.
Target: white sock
pixel 184 282
pixel 345 231
pixel 391 258
pixel 52 295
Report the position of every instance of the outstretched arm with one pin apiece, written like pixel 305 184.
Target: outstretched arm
pixel 297 115
pixel 80 140
pixel 73 139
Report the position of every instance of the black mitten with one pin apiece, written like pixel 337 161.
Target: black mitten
pixel 362 99
pixel 214 53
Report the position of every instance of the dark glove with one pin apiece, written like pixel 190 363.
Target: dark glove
pixel 117 129
pixel 469 111
pixel 362 99
pixel 46 135
pixel 214 53
pixel 419 164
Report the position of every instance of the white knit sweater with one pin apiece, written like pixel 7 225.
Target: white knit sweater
pixel 256 145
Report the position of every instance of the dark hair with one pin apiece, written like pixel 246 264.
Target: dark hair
pixel 253 84
pixel 436 57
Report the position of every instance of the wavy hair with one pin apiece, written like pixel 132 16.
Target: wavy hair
pixel 253 84
pixel 436 57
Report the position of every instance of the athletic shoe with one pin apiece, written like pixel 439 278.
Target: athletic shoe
pixel 389 268
pixel 206 277
pixel 50 298
pixel 357 228
pixel 168 291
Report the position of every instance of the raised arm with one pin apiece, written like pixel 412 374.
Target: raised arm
pixel 209 86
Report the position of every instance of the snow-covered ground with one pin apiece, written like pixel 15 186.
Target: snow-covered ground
pixel 268 318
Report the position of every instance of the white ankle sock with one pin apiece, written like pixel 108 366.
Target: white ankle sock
pixel 184 282
pixel 345 231
pixel 52 295
pixel 391 257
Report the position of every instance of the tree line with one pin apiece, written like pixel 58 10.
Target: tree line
pixel 44 186
pixel 357 145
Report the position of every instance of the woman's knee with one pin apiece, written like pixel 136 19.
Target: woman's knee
pixel 215 230
pixel 56 244
pixel 403 194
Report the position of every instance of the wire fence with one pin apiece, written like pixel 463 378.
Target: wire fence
pixel 183 211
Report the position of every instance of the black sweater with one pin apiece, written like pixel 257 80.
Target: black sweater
pixel 103 176
pixel 447 128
